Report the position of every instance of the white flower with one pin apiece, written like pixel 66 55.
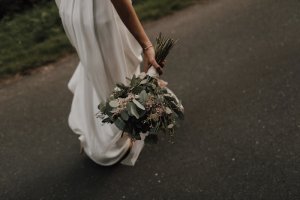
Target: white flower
pixel 117 89
pixel 168 110
pixel 170 126
pixel 162 83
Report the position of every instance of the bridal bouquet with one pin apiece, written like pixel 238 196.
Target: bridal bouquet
pixel 145 105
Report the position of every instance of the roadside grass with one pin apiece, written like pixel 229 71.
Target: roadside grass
pixel 35 37
pixel 31 39
pixel 154 9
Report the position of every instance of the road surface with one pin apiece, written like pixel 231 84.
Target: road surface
pixel 236 69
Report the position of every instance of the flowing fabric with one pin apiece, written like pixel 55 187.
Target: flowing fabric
pixel 108 54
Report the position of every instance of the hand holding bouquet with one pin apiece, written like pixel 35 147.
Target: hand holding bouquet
pixel 146 105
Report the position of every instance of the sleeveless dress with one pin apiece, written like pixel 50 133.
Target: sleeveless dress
pixel 108 54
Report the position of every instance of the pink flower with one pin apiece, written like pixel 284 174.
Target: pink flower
pixel 162 83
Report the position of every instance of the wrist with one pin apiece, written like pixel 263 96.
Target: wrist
pixel 146 44
pixel 147 47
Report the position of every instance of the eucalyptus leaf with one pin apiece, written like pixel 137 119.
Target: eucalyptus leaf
pixel 138 104
pixel 124 115
pixel 134 81
pixel 120 123
pixel 101 107
pixel 180 115
pixel 137 89
pixel 122 86
pixel 169 98
pixel 136 135
pixel 143 96
pixel 114 103
pixel 177 110
pixel 142 112
pixel 106 120
pixel 133 110
pixel 168 110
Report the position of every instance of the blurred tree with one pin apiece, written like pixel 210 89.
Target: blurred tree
pixel 9 7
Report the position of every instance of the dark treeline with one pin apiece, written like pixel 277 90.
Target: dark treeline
pixel 9 7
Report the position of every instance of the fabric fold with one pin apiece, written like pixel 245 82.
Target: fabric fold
pixel 108 54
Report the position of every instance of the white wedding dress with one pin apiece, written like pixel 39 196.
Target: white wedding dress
pixel 108 54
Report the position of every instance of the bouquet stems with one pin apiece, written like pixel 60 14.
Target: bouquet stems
pixel 162 48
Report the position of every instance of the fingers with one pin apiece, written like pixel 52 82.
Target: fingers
pixel 157 66
pixel 146 67
pixel 163 63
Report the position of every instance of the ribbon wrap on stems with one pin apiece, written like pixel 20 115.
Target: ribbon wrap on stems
pixel 152 72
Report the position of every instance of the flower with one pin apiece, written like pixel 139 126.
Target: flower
pixel 154 117
pixel 150 102
pixel 161 83
pixel 159 110
pixel 117 89
pixel 170 126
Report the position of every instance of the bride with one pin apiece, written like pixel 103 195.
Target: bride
pixel 109 40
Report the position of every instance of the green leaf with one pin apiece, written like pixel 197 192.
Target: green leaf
pixel 169 98
pixel 134 81
pixel 101 107
pixel 142 112
pixel 114 103
pixel 120 123
pixel 180 115
pixel 132 110
pixel 124 115
pixel 121 86
pixel 177 110
pixel 106 120
pixel 138 104
pixel 168 110
pixel 135 134
pixel 137 89
pixel 143 96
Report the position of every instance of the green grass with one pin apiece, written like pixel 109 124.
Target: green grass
pixel 36 37
pixel 154 9
pixel 31 39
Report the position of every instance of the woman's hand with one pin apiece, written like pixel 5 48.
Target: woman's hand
pixel 149 56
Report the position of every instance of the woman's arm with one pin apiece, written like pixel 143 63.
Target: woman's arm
pixel 132 22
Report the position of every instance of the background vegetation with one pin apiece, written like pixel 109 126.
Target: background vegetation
pixel 9 7
pixel 31 33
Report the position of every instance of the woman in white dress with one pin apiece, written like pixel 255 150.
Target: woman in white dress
pixel 109 40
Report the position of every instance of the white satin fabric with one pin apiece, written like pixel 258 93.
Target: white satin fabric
pixel 108 54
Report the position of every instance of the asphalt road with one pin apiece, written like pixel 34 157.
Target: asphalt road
pixel 236 69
